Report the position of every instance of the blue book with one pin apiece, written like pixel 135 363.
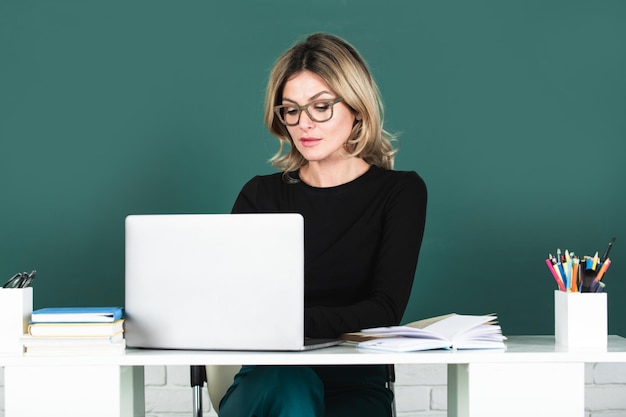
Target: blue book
pixel 77 315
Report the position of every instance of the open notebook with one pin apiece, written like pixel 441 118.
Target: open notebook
pixel 216 282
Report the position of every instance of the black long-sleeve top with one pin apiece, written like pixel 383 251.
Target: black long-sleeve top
pixel 362 241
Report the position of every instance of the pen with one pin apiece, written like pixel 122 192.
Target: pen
pixel 564 277
pixel 608 249
pixel 568 268
pixel 603 268
pixel 554 260
pixel 575 268
pixel 558 279
pixel 594 265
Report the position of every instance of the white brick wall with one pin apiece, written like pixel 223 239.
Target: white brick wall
pixel 420 391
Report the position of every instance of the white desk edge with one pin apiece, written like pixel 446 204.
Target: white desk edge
pixel 520 349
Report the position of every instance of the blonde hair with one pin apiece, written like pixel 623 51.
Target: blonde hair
pixel 342 68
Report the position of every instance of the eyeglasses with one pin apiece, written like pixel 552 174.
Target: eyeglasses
pixel 319 111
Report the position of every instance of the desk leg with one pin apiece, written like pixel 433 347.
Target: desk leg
pixel 516 389
pixel 74 391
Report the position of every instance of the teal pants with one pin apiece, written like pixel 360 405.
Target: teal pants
pixel 308 391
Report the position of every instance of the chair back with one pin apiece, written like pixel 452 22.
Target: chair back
pixel 219 378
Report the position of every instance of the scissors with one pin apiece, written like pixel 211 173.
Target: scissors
pixel 20 280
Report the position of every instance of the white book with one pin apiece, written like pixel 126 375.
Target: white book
pixel 76 349
pixel 452 331
pixel 76 329
pixel 28 340
pixel 77 315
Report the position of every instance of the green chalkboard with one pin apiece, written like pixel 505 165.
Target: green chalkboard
pixel 513 113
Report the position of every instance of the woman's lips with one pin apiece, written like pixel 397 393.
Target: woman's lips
pixel 307 142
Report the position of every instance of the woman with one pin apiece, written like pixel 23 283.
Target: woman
pixel 363 226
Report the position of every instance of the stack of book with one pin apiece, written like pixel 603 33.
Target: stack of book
pixel 75 330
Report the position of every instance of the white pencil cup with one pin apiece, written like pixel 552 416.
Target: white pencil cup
pixel 580 319
pixel 16 308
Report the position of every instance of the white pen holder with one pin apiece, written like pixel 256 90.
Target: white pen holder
pixel 16 308
pixel 580 319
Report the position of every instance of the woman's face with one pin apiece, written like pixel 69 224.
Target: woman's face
pixel 317 141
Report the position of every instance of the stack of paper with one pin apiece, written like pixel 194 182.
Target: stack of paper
pixel 75 330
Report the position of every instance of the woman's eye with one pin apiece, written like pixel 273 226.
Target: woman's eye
pixel 291 111
pixel 321 107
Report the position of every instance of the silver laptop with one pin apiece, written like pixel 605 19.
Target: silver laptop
pixel 216 282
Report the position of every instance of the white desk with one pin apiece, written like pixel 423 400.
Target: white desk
pixel 532 377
